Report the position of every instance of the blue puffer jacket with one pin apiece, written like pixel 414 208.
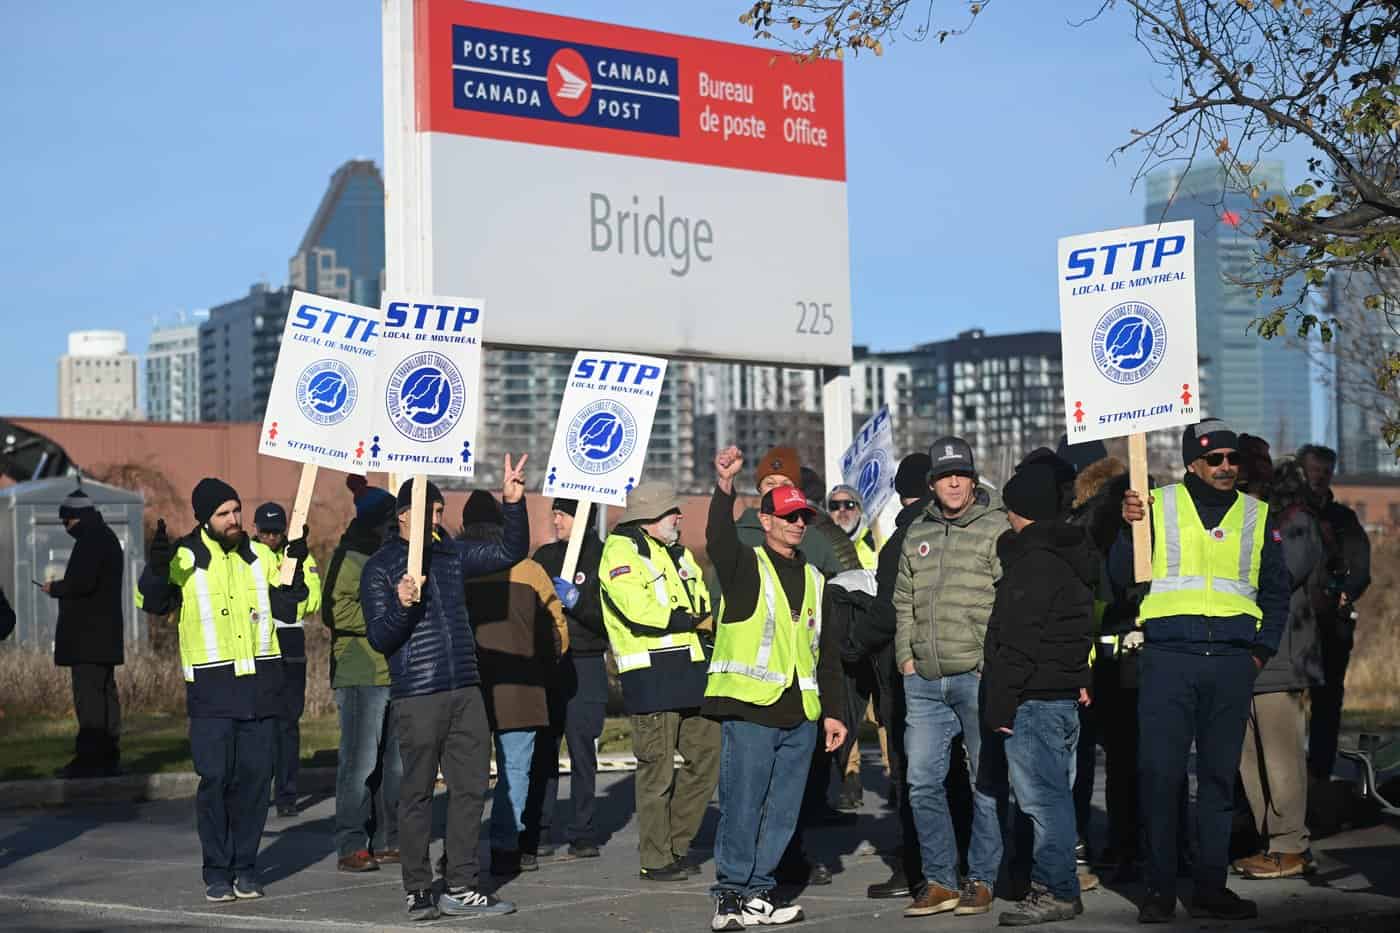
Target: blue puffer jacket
pixel 430 646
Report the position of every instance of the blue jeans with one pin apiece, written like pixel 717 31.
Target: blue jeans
pixel 515 749
pixel 1040 754
pixel 937 711
pixel 762 774
pixel 369 772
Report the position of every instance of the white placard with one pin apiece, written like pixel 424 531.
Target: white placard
pixel 600 440
pixel 318 410
pixel 869 463
pixel 1128 330
pixel 428 386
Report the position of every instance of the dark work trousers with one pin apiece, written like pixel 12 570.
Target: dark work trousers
pixel 233 758
pixel 583 694
pixel 1086 759
pixel 447 729
pixel 1117 724
pixel 860 684
pixel 1335 634
pixel 1183 697
pixel 99 715
pixel 287 760
pixel 911 856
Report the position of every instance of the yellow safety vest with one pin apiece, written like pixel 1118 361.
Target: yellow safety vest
pixel 225 615
pixel 756 659
pixel 312 576
pixel 1204 572
pixel 866 554
pixel 642 585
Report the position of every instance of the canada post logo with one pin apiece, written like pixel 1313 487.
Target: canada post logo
pixel 527 76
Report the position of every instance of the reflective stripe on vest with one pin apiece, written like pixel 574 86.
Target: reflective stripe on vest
pixel 635 646
pixel 208 653
pixel 1192 586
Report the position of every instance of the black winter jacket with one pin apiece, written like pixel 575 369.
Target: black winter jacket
pixel 587 636
pixel 430 645
pixel 7 617
pixel 89 629
pixel 1038 637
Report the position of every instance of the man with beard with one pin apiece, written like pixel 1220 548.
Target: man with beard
pixel 88 638
pixel 226 590
pixel 270 526
pixel 654 596
pixel 1212 617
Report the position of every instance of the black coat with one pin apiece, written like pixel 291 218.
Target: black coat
pixel 1038 637
pixel 7 617
pixel 587 636
pixel 90 597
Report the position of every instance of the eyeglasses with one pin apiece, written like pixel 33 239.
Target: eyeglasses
pixel 1218 458
pixel 836 505
pixel 794 518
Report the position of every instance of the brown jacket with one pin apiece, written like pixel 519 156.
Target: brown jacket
pixel 520 634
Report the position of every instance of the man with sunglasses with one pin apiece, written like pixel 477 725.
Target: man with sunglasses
pixel 1213 615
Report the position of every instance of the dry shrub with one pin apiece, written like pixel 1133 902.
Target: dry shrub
pixel 1372 680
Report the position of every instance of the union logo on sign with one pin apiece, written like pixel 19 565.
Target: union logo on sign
pixel 601 437
pixel 326 392
pixel 425 396
pixel 1129 342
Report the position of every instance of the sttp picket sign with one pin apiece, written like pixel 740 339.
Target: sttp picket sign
pixel 869 464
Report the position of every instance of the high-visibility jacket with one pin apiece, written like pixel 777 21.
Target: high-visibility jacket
pixel 1204 572
pixel 641 585
pixel 869 556
pixel 756 659
pixel 312 576
pixel 225 614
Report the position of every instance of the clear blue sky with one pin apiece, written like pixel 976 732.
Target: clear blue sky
pixel 164 156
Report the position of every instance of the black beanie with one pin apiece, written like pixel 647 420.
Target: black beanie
pixel 1081 455
pixel 911 479
pixel 1064 471
pixel 74 506
pixel 1033 492
pixel 1200 439
pixel 210 493
pixel 405 497
pixel 482 508
pixel 567 506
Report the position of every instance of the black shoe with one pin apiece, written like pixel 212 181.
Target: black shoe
pixel 897 886
pixel 583 850
pixel 820 874
pixel 421 905
pixel 801 872
pixel 852 795
pixel 529 861
pixel 691 862
pixel 672 872
pixel 1157 908
pixel 1222 904
pixel 546 850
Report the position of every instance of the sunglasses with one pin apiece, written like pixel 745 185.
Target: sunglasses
pixel 1215 459
pixel 794 518
pixel 836 505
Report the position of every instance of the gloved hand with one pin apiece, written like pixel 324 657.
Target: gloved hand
pixel 1133 640
pixel 297 549
pixel 566 591
pixel 682 621
pixel 161 551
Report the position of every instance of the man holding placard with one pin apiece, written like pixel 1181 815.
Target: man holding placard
pixel 1214 614
pixel 439 712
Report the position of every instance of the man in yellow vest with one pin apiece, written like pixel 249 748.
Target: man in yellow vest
pixel 1212 616
pixel 270 526
pixel 770 652
pixel 225 588
pixel 654 596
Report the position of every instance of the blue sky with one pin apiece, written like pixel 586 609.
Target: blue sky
pixel 166 156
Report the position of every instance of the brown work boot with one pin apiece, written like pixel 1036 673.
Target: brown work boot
pixel 387 856
pixel 357 862
pixel 975 898
pixel 933 899
pixel 1272 865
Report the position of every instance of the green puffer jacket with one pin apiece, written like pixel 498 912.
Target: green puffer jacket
pixel 945 587
pixel 354 662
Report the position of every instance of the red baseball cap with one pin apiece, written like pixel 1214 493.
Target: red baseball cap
pixel 784 502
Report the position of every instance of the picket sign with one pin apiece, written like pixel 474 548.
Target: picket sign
pixel 305 487
pixel 1142 531
pixel 580 528
pixel 416 517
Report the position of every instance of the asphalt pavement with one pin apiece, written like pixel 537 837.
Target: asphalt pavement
pixel 135 866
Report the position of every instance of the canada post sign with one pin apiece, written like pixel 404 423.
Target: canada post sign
pixel 526 76
pixel 682 190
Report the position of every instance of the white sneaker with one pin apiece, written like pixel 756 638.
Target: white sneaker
pixel 762 910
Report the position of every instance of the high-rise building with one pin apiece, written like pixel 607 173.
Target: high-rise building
pixel 1359 408
pixel 876 381
pixel 172 370
pixel 342 254
pixel 97 377
pixel 238 354
pixel 1260 386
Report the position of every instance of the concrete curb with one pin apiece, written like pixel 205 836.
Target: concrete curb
pixel 136 788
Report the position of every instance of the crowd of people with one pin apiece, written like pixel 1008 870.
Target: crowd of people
pixel 996 637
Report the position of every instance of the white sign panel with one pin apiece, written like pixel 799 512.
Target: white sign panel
pixel 622 171
pixel 318 411
pixel 600 441
pixel 427 392
pixel 1128 330
pixel 869 463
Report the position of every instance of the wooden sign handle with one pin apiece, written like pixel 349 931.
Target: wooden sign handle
pixel 300 507
pixel 575 540
pixel 1142 531
pixel 416 518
